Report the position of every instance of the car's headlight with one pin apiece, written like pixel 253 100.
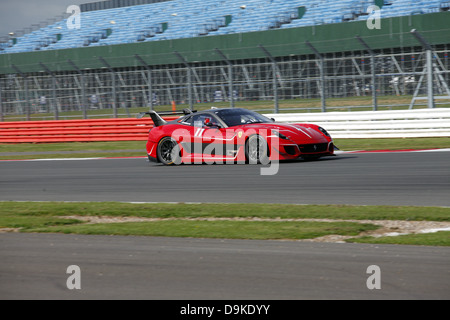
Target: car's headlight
pixel 279 135
pixel 324 131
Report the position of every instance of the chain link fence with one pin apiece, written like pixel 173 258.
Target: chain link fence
pixel 350 80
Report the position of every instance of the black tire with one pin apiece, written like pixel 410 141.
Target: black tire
pixel 256 150
pixel 168 151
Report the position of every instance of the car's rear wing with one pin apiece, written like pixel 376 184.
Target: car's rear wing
pixel 158 120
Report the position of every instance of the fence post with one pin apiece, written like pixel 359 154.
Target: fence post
pixel 429 66
pixel 430 78
pixel 230 77
pixel 149 81
pixel 274 80
pixel 55 104
pixel 113 81
pixel 83 95
pixel 189 78
pixel 374 83
pixel 27 96
pixel 83 88
pixel 1 103
pixel 27 99
pixel 322 75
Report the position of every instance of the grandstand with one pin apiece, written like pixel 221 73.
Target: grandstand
pixel 145 52
pixel 179 19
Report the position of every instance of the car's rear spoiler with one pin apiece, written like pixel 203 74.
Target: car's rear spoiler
pixel 158 120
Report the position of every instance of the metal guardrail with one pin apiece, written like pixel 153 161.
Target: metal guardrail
pixel 377 124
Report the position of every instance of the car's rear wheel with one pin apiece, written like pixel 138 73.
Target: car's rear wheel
pixel 168 151
pixel 256 150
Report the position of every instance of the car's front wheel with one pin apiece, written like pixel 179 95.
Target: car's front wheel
pixel 168 151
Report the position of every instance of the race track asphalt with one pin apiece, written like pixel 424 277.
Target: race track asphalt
pixel 419 179
pixel 33 266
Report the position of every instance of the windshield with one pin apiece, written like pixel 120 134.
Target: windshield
pixel 236 117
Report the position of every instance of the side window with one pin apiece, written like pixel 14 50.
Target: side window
pixel 200 120
pixel 197 121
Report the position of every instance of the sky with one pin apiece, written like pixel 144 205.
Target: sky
pixel 16 15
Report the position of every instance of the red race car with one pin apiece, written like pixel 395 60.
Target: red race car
pixel 232 135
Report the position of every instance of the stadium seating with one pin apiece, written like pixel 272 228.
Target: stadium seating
pixel 178 19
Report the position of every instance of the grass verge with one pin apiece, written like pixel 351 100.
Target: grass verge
pixel 76 155
pixel 181 210
pixel 48 217
pixel 27 151
pixel 254 230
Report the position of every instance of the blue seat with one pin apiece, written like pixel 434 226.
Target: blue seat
pixel 194 18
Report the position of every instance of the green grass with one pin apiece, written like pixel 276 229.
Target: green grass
pixel 73 146
pixel 76 156
pixel 80 149
pixel 254 230
pixel 30 222
pixel 46 217
pixel 169 210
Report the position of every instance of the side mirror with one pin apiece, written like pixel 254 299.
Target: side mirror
pixel 212 125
